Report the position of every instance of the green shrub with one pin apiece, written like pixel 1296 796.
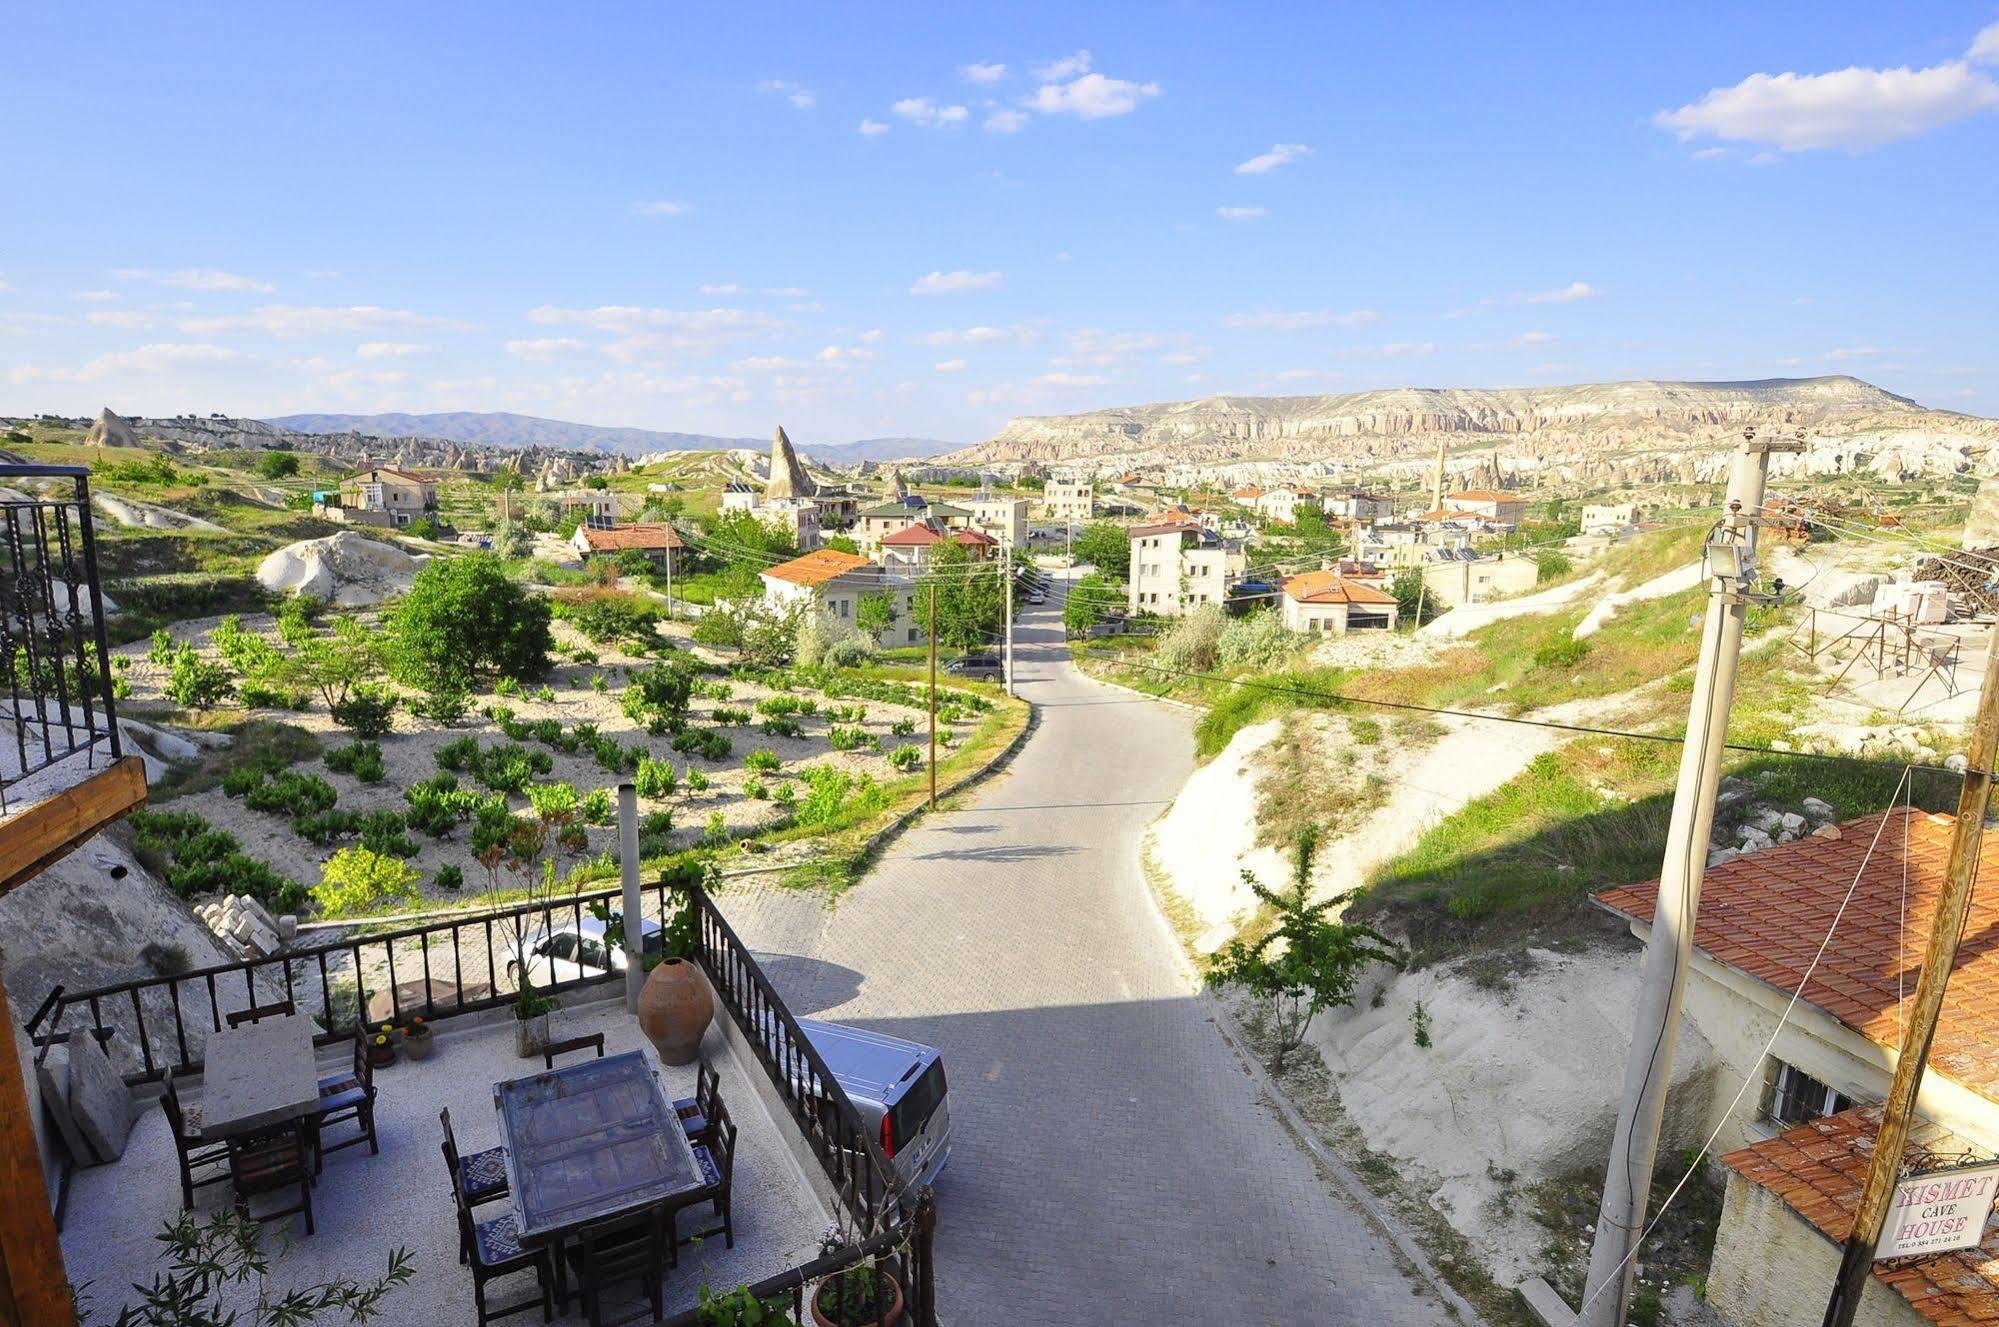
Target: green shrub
pixel 361 759
pixel 507 686
pixel 902 727
pixel 781 728
pixel 465 618
pixel 444 707
pixel 360 880
pixel 708 743
pixel 459 755
pixel 906 757
pixel 697 782
pixel 367 712
pixel 598 807
pixel 763 760
pixel 450 877
pixel 847 739
pixel 1561 654
pixel 196 683
pixel 655 779
pixel 197 861
pixel 786 795
pixel 717 831
pixel 733 718
pixel 437 805
pixel 257 696
pixel 382 832
pixel 754 789
pixel 323 827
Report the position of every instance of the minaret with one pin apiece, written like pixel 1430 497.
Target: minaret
pixel 1437 479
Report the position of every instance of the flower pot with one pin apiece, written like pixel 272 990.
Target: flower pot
pixel 418 1045
pixel 891 1302
pixel 674 1009
pixel 530 1036
pixel 381 1053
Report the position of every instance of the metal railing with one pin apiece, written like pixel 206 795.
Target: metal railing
pixel 55 662
pixel 449 967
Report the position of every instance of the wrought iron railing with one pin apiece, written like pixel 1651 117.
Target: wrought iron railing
pixel 458 965
pixel 55 662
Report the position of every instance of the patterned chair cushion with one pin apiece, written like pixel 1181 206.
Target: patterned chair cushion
pixel 694 1125
pixel 498 1240
pixel 711 1174
pixel 190 1116
pixel 483 1174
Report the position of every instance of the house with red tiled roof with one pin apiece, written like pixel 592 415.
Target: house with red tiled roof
pixel 659 544
pixel 386 496
pixel 1797 1145
pixel 829 581
pixel 1325 601
pixel 1493 505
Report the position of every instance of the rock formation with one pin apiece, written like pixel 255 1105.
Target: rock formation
pixel 343 569
pixel 111 430
pixel 787 477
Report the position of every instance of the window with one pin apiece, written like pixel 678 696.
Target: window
pixel 1795 1097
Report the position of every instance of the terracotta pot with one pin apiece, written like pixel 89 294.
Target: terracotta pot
pixel 381 1054
pixel 674 1009
pixel 418 1046
pixel 891 1303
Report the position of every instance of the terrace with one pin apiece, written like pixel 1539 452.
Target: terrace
pixel 805 1160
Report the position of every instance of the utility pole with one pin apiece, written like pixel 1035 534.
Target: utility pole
pixel 933 695
pixel 1946 929
pixel 1006 608
pixel 671 558
pixel 1730 557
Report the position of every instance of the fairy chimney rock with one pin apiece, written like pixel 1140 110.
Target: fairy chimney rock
pixel 787 477
pixel 111 431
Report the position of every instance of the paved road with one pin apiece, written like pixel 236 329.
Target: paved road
pixel 1111 1162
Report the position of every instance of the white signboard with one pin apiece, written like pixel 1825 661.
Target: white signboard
pixel 1938 1212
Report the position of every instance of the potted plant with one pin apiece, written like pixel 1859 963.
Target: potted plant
pixel 864 1295
pixel 417 1041
pixel 382 1046
pixel 737 1308
pixel 531 1011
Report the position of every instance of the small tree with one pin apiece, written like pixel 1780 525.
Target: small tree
pixel 970 597
pixel 357 879
pixel 511 541
pixel 1087 601
pixel 874 613
pixel 1306 962
pixel 1106 545
pixel 206 1258
pixel 464 617
pixel 194 682
pixel 277 465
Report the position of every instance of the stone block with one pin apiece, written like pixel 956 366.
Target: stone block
pixel 98 1099
pixel 52 1075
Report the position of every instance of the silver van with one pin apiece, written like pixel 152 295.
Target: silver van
pixel 899 1087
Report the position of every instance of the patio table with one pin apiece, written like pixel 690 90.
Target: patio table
pixel 257 1075
pixel 591 1141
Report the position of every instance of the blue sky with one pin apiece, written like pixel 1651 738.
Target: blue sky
pixel 923 220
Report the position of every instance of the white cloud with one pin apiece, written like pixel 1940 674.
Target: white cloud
pixel 1985 46
pixel 161 358
pixel 1090 347
pixel 1852 108
pixel 543 349
pixel 89 296
pixel 195 278
pixel 930 114
pixel 788 292
pixel 869 128
pixel 1067 66
pixel 795 93
pixel 982 74
pixel 1533 338
pixel 1182 358
pixel 661 209
pixel 950 366
pixel 392 350
pixel 1005 121
pixel 956 283
pixel 21 322
pixel 724 288
pixel 5 284
pixel 1294 322
pixel 128 318
pixel 1569 294
pixel 1062 379
pixel 321 273
pixel 768 364
pixel 1242 213
pixel 1092 97
pixel 871 337
pixel 1020 334
pixel 1281 154
pixel 649 335
pixel 1855 352
pixel 844 355
pixel 293 320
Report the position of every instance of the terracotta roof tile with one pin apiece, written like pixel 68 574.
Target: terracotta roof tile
pixel 817 567
pixel 1327 587
pixel 1765 913
pixel 643 536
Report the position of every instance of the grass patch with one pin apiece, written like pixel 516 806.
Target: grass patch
pixel 257 741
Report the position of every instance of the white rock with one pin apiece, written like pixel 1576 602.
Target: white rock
pixel 344 569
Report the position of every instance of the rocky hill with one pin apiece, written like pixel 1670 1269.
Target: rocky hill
pixel 1536 426
pixel 499 429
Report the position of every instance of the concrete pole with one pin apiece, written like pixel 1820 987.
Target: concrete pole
pixel 634 916
pixel 933 695
pixel 1627 1187
pixel 1006 607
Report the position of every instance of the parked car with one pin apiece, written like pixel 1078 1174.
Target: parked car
pixel 1037 596
pixel 980 664
pixel 575 950
pixel 899 1088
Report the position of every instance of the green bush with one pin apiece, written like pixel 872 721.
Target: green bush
pixel 367 712
pixel 360 880
pixel 361 759
pixel 708 743
pixel 196 683
pixel 382 832
pixel 902 727
pixel 763 760
pixel 655 779
pixel 450 877
pixel 754 789
pixel 257 696
pixel 444 707
pixel 197 861
pixel 1561 654
pixel 598 807
pixel 464 618
pixel 697 782
pixel 437 805
pixel 905 757
pixel 781 728
pixel 848 739
pixel 457 756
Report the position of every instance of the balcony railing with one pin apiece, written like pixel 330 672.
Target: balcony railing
pixel 55 664
pixel 446 968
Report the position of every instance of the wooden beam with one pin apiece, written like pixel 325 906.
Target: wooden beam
pixel 50 829
pixel 34 1290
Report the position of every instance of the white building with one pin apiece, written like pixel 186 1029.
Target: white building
pixel 835 582
pixel 1177 567
pixel 1005 519
pixel 1611 518
pixel 1325 601
pixel 1070 499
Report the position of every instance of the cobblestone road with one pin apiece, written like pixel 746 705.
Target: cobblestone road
pixel 1111 1161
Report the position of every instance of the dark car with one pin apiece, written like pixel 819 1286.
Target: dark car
pixel 981 665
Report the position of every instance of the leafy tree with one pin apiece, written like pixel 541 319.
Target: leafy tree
pixel 208 1258
pixel 334 664
pixel 464 617
pixel 1088 600
pixel 742 545
pixel 277 465
pixel 1306 962
pixel 422 528
pixel 1407 587
pixel 194 682
pixel 511 541
pixel 367 711
pixel 842 544
pixel 508 480
pixel 1550 565
pixel 657 694
pixel 1107 546
pixel 970 598
pixel 874 613
pixel 355 880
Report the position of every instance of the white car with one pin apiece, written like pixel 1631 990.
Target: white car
pixel 574 951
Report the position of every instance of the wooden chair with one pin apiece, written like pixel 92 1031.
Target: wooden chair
pixel 475 1179
pixel 347 1097
pixel 184 1118
pixel 554 1048
pixel 717 1160
pixel 496 1250
pixel 256 1013
pixel 628 1247
pixel 271 1161
pixel 697 1110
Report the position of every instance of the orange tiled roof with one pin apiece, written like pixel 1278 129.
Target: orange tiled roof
pixel 977 538
pixel 1483 495
pixel 1446 514
pixel 918 535
pixel 817 567
pixel 1818 1170
pixel 1327 587
pixel 1247 494
pixel 644 536
pixel 1765 913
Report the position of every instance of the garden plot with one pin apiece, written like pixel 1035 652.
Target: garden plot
pixel 757 751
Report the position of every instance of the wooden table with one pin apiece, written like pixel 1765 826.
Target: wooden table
pixel 257 1075
pixel 591 1141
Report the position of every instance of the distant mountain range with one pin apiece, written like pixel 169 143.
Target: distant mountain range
pixel 499 429
pixel 1529 422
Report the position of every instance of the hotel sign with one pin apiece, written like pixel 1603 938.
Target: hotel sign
pixel 1939 1212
